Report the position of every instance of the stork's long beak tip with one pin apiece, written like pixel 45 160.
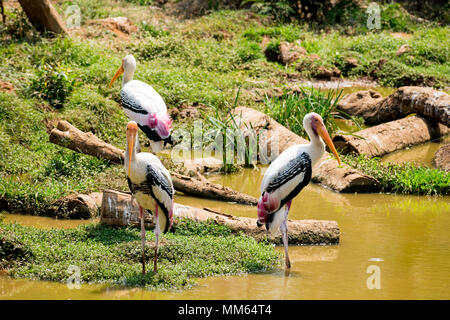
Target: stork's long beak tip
pixel 326 138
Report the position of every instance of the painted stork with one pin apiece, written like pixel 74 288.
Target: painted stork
pixel 288 174
pixel 144 105
pixel 151 185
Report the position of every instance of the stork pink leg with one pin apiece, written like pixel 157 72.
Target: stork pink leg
pixel 284 233
pixel 141 215
pixel 157 231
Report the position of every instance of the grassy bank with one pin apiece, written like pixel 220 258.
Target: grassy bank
pixel 110 255
pixel 188 61
pixel 403 179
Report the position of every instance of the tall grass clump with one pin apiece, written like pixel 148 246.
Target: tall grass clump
pixel 289 109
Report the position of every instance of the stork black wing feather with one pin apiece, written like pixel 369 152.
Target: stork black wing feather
pixel 130 104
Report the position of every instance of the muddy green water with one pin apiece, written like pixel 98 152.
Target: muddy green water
pixel 407 237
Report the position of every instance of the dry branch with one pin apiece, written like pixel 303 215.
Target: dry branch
pixel 119 209
pixel 70 137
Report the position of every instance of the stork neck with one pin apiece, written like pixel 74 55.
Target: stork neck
pixel 317 147
pixel 127 76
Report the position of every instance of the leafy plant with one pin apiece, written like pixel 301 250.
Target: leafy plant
pixel 290 108
pixel 53 83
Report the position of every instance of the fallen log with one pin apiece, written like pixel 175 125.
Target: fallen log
pixel 327 171
pixel 120 209
pixel 391 136
pixel 71 137
pixel 369 105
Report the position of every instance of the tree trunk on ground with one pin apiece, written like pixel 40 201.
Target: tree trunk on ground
pixel 119 209
pixel 43 16
pixel 70 137
pixel 326 172
pixel 391 136
pixel 427 102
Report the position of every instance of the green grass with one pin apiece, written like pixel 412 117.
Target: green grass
pixel 113 256
pixel 405 178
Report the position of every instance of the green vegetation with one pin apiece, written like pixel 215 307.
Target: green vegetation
pixel 113 256
pixel 405 178
pixel 289 109
pixel 198 61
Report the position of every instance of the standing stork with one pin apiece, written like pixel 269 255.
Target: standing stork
pixel 288 174
pixel 144 105
pixel 151 185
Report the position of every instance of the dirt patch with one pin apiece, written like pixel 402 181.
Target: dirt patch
pixel 7 87
pixel 121 26
pixel 187 111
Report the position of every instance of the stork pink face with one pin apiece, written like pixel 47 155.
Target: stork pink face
pixel 161 122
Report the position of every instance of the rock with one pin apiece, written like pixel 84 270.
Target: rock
pixel 403 49
pixel 290 52
pixel 74 206
pixel 265 41
pixel 428 102
pixel 391 136
pixel 344 179
pixel 351 62
pixel 360 104
pixel 324 73
pixel 441 159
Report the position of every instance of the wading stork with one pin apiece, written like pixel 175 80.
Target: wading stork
pixel 144 105
pixel 288 174
pixel 151 185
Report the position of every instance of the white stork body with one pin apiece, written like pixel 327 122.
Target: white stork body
pixel 142 104
pixel 287 175
pixel 151 185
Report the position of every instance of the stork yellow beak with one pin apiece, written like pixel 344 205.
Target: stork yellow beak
pixel 322 131
pixel 116 75
pixel 132 129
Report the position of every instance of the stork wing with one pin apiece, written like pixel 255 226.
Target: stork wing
pixel 140 98
pixel 290 178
